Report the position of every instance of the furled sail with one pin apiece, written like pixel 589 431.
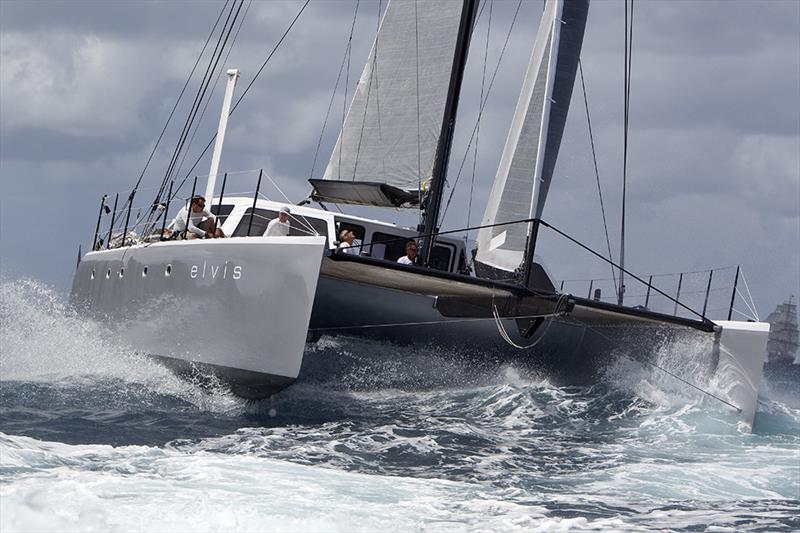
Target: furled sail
pixel 387 147
pixel 526 167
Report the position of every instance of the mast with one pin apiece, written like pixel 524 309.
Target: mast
pixel 433 202
pixel 233 75
pixel 530 246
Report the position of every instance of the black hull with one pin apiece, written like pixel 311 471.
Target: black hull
pixel 567 350
pixel 243 383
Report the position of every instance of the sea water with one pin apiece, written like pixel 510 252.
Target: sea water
pixel 94 437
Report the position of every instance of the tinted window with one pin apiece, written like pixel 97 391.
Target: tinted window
pixel 440 258
pixel 262 217
pixel 357 230
pixel 389 247
pixel 222 212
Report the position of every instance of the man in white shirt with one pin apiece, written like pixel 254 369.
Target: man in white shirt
pixel 279 227
pixel 411 254
pixel 346 238
pixel 202 224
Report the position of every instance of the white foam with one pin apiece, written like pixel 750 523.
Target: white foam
pixel 45 340
pixel 136 488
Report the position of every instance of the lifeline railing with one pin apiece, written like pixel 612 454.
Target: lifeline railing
pixel 145 226
pixel 652 291
pixel 714 289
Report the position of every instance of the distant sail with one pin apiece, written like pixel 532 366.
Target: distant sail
pixel 387 147
pixel 784 338
pixel 526 168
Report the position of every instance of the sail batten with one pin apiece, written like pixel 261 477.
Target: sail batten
pixel 526 167
pixel 392 129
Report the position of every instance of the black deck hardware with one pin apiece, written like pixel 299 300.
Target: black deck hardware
pixel 97 227
pixel 113 219
pixel 255 197
pixel 166 210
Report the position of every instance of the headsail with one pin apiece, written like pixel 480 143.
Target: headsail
pixel 387 147
pixel 526 168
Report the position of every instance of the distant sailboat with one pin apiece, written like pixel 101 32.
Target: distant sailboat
pixel 783 334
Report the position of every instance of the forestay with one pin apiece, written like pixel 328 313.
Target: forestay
pixel 526 167
pixel 392 128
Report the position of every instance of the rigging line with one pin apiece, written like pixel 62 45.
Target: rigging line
pixel 305 220
pixel 213 88
pixel 745 315
pixel 208 100
pixel 483 105
pixel 659 367
pixel 173 157
pixel 212 65
pixel 628 30
pixel 744 301
pixel 557 311
pixel 622 269
pixel 328 112
pixel 199 97
pixel 596 171
pixel 247 89
pixel 478 130
pixel 180 96
pixel 755 314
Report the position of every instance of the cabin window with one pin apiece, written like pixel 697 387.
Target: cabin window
pixel 389 247
pixel 441 257
pixel 357 230
pixel 221 212
pixel 300 225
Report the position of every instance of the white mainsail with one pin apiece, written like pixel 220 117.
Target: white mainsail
pixel 392 128
pixel 526 167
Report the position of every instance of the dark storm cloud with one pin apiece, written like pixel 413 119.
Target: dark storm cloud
pixel 714 165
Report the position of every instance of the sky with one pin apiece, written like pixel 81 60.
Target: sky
pixel 714 134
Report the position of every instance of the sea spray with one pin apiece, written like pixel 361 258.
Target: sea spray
pixel 493 449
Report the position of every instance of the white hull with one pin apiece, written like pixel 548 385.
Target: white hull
pixel 240 305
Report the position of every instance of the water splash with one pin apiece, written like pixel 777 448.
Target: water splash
pixel 45 341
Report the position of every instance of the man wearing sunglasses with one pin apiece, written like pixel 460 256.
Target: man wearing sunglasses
pixel 202 224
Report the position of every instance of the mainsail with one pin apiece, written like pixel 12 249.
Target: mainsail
pixel 526 167
pixel 386 151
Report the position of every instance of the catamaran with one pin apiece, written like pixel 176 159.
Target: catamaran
pixel 243 306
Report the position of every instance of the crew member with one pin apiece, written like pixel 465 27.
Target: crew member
pixel 279 227
pixel 411 254
pixel 346 238
pixel 202 224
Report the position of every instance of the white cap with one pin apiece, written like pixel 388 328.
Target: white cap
pixel 286 210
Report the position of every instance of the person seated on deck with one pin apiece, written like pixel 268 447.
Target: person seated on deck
pixel 202 224
pixel 279 227
pixel 346 238
pixel 411 254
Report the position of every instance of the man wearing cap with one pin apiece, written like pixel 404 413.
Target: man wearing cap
pixel 346 238
pixel 279 227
